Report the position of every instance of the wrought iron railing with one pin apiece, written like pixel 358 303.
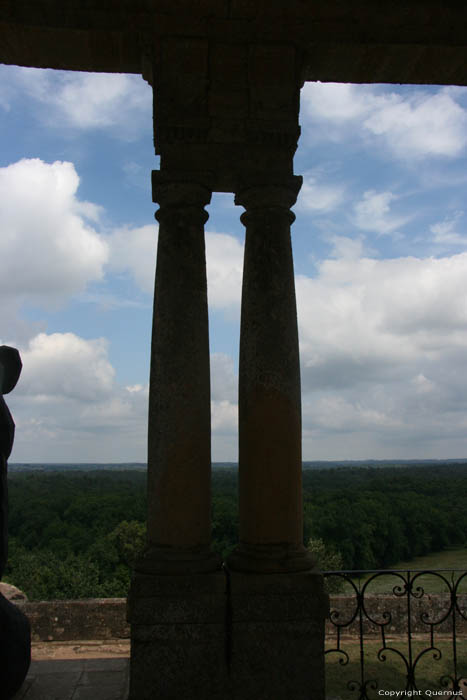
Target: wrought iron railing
pixel 402 625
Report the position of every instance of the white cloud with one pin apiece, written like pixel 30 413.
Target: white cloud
pixel 49 251
pixel 224 258
pixel 224 380
pixel 373 213
pixel 224 418
pixel 68 405
pixel 319 197
pixel 134 250
pixel 65 366
pixel 444 232
pixel 420 125
pixel 360 317
pixel 67 400
pixel 335 102
pixel 346 248
pixel 384 357
pixel 414 125
pixel 116 102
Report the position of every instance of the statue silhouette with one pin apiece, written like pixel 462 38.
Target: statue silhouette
pixel 10 369
pixel 15 634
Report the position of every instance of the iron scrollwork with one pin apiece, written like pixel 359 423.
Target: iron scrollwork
pixel 368 617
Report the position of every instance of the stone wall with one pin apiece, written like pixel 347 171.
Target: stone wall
pixel 68 620
pixel 105 618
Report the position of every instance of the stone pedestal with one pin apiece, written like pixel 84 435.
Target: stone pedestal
pixel 277 636
pixel 178 644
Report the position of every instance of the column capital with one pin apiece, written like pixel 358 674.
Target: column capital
pixel 265 194
pixel 175 189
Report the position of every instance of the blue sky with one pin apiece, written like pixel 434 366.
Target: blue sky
pixel 380 246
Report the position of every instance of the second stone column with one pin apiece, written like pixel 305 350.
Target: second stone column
pixel 277 603
pixel 270 461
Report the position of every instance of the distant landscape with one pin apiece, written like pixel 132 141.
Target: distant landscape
pixel 77 529
pixel 323 464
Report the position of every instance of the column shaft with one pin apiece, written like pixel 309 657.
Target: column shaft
pixel 179 437
pixel 270 488
pixel 276 596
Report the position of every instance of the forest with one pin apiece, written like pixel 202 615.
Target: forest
pixel 76 534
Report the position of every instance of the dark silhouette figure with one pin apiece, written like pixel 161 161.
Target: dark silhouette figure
pixel 15 634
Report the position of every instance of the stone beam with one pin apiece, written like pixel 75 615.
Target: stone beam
pixel 348 41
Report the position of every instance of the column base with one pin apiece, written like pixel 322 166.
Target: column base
pixel 270 558
pixel 277 636
pixel 178 643
pixel 157 559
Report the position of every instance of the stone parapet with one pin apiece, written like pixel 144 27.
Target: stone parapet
pixel 430 609
pixel 105 618
pixel 68 620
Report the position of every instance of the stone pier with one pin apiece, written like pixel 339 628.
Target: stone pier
pixel 255 629
pixel 276 596
pixel 177 599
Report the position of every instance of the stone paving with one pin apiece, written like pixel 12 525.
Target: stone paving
pixel 76 679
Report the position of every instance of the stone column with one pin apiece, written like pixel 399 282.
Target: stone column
pixel 277 601
pixel 177 596
pixel 179 436
pixel 270 461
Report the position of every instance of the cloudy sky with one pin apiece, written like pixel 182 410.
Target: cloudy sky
pixel 380 245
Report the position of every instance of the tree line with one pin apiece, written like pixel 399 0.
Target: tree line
pixel 77 534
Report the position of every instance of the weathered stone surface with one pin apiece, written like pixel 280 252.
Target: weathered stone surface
pixel 178 642
pixel 12 593
pixel 277 636
pixel 65 620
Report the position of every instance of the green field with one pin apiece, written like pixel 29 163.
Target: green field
pixel 447 560
pixel 391 673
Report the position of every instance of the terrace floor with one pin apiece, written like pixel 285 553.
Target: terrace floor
pixel 84 676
